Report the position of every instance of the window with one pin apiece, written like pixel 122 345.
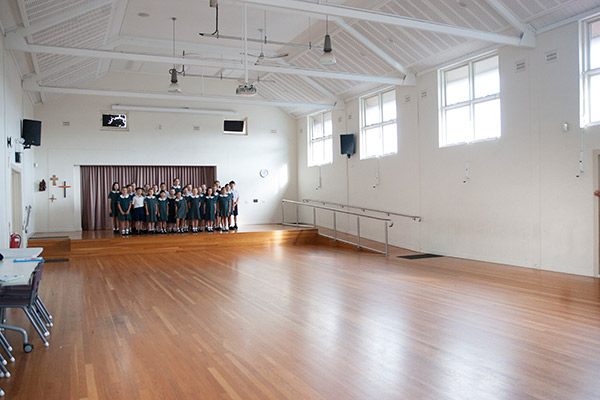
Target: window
pixel 379 132
pixel 590 107
pixel 320 139
pixel 470 102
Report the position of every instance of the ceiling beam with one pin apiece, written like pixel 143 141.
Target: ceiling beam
pixel 372 46
pixel 527 31
pixel 508 15
pixel 332 10
pixel 32 85
pixel 189 47
pixel 17 42
pixel 71 12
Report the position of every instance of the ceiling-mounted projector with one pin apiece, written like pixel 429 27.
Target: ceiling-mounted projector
pixel 246 90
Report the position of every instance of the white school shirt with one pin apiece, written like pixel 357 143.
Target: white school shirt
pixel 236 195
pixel 138 201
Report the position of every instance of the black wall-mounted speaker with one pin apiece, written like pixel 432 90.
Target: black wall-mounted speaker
pixel 32 132
pixel 347 144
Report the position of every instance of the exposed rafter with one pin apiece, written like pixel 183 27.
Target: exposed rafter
pixel 526 30
pixel 374 48
pixel 32 85
pixel 15 41
pixel 331 10
pixel 508 15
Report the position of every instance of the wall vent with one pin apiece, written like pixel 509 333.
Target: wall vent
pixel 551 56
pixel 520 66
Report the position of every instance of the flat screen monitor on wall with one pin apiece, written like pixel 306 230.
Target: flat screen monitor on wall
pixel 235 127
pixel 31 133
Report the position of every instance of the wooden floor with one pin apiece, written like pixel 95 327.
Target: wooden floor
pixel 309 322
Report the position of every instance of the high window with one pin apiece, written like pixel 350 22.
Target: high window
pixel 590 77
pixel 379 132
pixel 320 139
pixel 470 102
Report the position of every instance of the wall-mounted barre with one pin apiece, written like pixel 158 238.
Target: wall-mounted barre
pixel 365 209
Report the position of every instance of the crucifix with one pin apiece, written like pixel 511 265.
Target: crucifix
pixel 52 198
pixel 64 187
pixel 54 178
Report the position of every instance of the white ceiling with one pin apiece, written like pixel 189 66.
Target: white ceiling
pixel 116 26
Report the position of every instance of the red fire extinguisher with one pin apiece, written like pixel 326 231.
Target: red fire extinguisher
pixel 15 241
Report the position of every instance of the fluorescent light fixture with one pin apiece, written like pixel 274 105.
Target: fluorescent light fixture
pixel 179 110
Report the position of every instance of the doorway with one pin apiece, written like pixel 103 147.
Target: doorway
pixel 17 202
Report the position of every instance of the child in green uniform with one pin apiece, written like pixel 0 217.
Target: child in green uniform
pixel 210 206
pixel 194 209
pixel 180 211
pixel 150 203
pixel 172 210
pixel 163 212
pixel 113 211
pixel 176 185
pixel 185 193
pixel 124 206
pixel 224 208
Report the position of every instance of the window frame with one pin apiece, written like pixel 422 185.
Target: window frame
pixel 379 125
pixel 586 72
pixel 311 140
pixel 471 102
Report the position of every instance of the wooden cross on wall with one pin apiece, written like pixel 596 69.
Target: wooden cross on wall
pixel 54 178
pixel 52 198
pixel 65 187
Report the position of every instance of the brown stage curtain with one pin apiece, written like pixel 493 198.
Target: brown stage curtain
pixel 97 180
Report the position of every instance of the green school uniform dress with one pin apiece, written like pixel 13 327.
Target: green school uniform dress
pixel 223 205
pixel 189 210
pixel 180 207
pixel 163 214
pixel 114 198
pixel 202 201
pixel 194 209
pixel 151 203
pixel 211 208
pixel 124 202
pixel 177 189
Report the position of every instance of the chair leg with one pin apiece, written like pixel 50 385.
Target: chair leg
pixel 7 347
pixel 39 306
pixel 44 307
pixel 40 312
pixel 38 321
pixel 4 342
pixel 35 326
pixel 20 330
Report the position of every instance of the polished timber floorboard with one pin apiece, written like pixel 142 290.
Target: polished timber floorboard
pixel 309 322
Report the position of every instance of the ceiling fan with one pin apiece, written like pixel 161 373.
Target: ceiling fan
pixel 261 56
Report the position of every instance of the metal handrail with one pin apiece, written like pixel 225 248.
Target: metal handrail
pixel 387 223
pixel 413 217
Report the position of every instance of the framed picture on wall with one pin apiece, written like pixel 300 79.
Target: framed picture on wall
pixel 114 121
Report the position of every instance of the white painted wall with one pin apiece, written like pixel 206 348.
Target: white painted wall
pixel 14 106
pixel 523 205
pixel 239 158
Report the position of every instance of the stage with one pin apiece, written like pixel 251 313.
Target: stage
pixel 65 245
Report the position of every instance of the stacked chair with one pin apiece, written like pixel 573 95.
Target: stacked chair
pixel 26 298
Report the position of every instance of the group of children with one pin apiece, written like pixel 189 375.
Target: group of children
pixel 154 209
